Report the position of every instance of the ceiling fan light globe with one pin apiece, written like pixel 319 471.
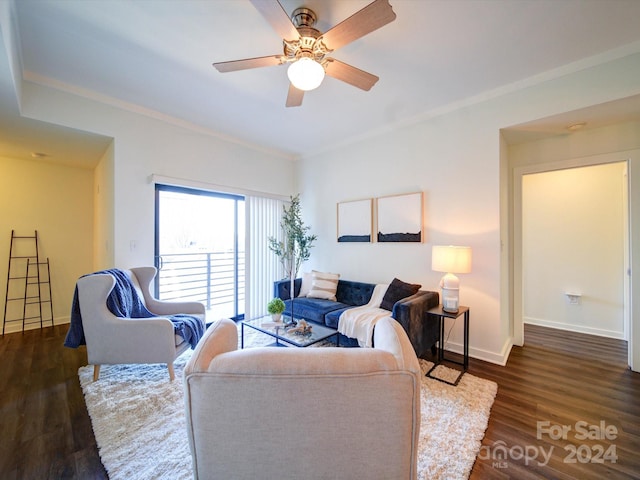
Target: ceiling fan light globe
pixel 305 74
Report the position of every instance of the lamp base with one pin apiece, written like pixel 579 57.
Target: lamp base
pixel 450 300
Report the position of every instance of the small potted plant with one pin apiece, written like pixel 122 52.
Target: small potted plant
pixel 275 307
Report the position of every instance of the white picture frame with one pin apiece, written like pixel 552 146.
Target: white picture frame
pixel 355 221
pixel 400 218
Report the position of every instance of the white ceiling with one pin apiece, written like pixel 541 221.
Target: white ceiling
pixel 156 55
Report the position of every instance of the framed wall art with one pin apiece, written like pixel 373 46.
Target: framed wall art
pixel 400 218
pixel 355 220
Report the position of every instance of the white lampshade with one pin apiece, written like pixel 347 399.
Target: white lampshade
pixel 450 260
pixel 305 74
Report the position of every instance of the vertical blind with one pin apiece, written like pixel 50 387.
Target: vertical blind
pixel 263 267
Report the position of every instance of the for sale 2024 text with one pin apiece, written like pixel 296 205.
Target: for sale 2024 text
pixel 583 431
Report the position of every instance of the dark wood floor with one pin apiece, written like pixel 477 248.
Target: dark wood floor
pixel 558 377
pixel 44 423
pixel 563 378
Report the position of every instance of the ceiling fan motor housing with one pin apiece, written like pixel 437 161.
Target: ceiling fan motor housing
pixel 309 44
pixel 304 17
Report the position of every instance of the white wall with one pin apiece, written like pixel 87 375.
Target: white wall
pixel 56 201
pixel 457 159
pixel 142 147
pixel 573 242
pixel 103 216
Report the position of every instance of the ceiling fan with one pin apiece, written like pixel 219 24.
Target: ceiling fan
pixel 306 48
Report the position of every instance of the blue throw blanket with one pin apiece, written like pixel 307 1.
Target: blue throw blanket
pixel 124 302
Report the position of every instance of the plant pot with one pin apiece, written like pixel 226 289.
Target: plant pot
pixel 276 317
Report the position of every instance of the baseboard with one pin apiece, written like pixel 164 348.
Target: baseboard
pixel 574 328
pixel 484 355
pixel 16 327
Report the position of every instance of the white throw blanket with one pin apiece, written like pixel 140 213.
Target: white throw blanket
pixel 358 322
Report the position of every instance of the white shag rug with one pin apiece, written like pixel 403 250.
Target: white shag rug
pixel 139 423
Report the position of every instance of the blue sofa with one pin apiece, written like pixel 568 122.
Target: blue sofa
pixel 410 312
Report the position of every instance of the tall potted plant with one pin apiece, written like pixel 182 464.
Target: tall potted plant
pixel 295 246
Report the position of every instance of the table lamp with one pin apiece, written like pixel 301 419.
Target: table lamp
pixel 450 260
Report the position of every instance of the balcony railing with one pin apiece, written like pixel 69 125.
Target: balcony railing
pixel 215 279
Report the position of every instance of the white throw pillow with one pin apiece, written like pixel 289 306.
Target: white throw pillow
pixel 307 283
pixel 324 285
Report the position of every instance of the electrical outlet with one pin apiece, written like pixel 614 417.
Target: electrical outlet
pixel 573 298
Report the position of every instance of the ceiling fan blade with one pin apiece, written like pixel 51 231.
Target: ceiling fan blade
pixel 370 18
pixel 294 97
pixel 351 75
pixel 247 63
pixel 273 12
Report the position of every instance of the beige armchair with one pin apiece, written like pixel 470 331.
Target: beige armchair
pixel 114 340
pixel 313 413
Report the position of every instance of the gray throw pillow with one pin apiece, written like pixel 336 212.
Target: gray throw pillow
pixel 397 291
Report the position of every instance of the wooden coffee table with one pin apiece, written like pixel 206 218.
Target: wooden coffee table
pixel 278 331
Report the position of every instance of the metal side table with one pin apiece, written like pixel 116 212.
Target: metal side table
pixel 441 314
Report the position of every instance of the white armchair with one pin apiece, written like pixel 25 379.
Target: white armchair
pixel 313 413
pixel 114 340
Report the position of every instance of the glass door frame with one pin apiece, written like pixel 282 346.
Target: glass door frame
pixel 236 241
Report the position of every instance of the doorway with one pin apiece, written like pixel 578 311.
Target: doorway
pixel 630 315
pixel 199 248
pixel 573 249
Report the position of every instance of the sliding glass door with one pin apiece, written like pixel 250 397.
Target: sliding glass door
pixel 199 248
